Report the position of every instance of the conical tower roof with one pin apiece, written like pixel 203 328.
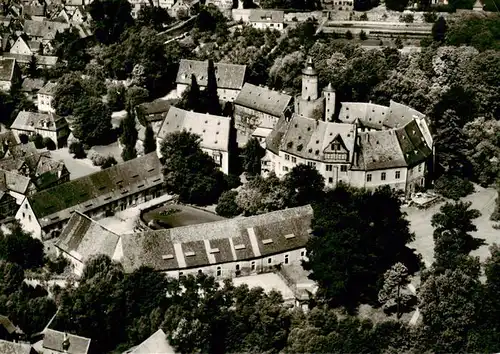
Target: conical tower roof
pixel 309 69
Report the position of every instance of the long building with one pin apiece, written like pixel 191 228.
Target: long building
pixel 116 188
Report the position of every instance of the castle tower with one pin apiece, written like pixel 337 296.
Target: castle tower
pixel 309 81
pixel 329 94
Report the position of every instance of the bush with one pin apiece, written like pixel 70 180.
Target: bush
pixel 58 265
pixel 77 150
pixel 49 143
pixel 116 97
pixel 108 162
pixel 453 187
pixel 232 181
pixel 226 206
pixel 38 140
pixel 399 43
pixel 348 35
pixel 363 17
pixel 430 17
pixel 407 18
pixel 23 138
pixel 363 36
pixel 96 158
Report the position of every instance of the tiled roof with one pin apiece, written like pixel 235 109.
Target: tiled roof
pixel 46 60
pixel 34 45
pixel 15 182
pixel 309 138
pixel 6 69
pixel 380 150
pixel 29 121
pixel 49 88
pixel 213 130
pixel 14 348
pixel 413 144
pixel 82 238
pixel 273 140
pixel 156 343
pixel 91 191
pixel 31 85
pixel 19 151
pixel 8 138
pixel 229 76
pixel 400 115
pixel 267 16
pixel 31 10
pixel 43 29
pixel 263 99
pixel 368 114
pixel 194 245
pixel 156 110
pixel 8 325
pixel 53 340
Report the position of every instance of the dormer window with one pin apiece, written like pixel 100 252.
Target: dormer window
pixel 335 146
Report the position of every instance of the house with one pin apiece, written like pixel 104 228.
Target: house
pixel 372 145
pixel 156 343
pixel 83 238
pixel 224 6
pixel 179 8
pixel 263 19
pixel 45 97
pixel 48 125
pixel 16 185
pixel 230 77
pixel 116 188
pixel 24 47
pixel 18 151
pixel 8 331
pixel 43 30
pixel 61 342
pixel 478 6
pixel 213 130
pixel 34 12
pixel 16 348
pixel 9 73
pixel 8 203
pixel 137 5
pixel 30 87
pixel 224 249
pixel 257 110
pixel 42 61
pixel 155 111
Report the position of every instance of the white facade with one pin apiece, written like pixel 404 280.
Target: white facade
pixel 44 103
pixel 226 95
pixel 28 219
pixel 279 26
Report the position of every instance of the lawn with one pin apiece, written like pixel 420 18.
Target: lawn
pixel 483 200
pixel 179 215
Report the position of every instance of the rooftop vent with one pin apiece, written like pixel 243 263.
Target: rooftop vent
pixel 135 176
pixel 157 180
pixel 295 125
pixel 151 169
pixel 310 150
pixel 317 141
pixel 167 256
pixel 189 254
pixel 239 247
pixel 120 181
pixel 125 191
pixel 88 205
pixel 267 241
pixel 107 198
pixel 140 185
pixel 289 236
pixel 54 218
pixel 214 250
pixel 299 148
pixel 308 129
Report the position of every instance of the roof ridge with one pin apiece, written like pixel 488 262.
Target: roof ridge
pixel 96 223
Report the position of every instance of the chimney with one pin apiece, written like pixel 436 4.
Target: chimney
pixel 65 343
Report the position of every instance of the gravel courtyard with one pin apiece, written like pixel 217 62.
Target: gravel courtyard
pixel 76 167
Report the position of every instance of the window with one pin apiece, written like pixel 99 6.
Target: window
pixel 382 176
pixel 269 260
pixel 343 168
pixel 286 259
pixel 26 206
pixel 303 253
pixel 330 180
pixel 180 274
pixel 219 271
pixel 397 175
pixel 29 217
pixel 419 168
pixel 329 168
pixel 287 157
pixel 285 168
pixel 24 215
pixel 252 265
pixel 369 177
pixel 310 163
pixel 336 146
pixel 237 267
pixel 200 271
pixel 294 159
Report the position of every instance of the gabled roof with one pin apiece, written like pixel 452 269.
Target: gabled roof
pixel 7 69
pixel 14 348
pixel 29 121
pixel 43 29
pixel 92 191
pixel 368 114
pixel 15 182
pixel 82 238
pixel 263 99
pixel 31 85
pixel 308 138
pixel 400 115
pixel 218 241
pixel 9 326
pixel 47 60
pixel 229 76
pixel 20 151
pixel 156 110
pixel 31 10
pixel 49 88
pixel 53 340
pixel 273 140
pixel 214 130
pixel 267 16
pixel 156 343
pixel 380 150
pixel 413 144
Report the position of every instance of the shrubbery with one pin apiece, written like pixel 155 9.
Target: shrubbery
pixel 49 143
pixel 37 139
pixel 108 162
pixel 226 206
pixel 76 148
pixel 453 187
pixel 23 138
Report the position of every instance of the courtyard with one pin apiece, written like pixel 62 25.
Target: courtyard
pixel 175 215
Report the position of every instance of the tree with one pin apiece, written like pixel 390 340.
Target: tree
pixel 68 94
pixel 153 16
pixel 348 35
pixel 252 155
pixel 452 238
pixel 226 206
pixel 116 97
pixel 192 98
pixel 33 67
pixel 304 184
pixel 135 96
pixel 149 140
pixel 495 216
pixel 11 277
pixel 396 5
pixel 110 18
pixel 108 162
pixel 49 143
pixel 92 122
pixel 37 139
pixel 189 172
pixel 393 295
pixel 439 29
pixel 76 148
pixel 357 236
pixel 19 247
pixel 211 96
pixel 453 187
pixel 129 136
pixel 363 36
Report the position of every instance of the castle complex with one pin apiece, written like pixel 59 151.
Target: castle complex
pixel 363 144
